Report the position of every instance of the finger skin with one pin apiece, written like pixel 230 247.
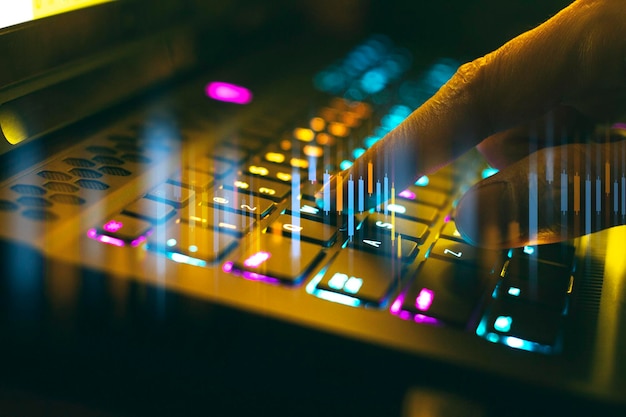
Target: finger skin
pixel 566 60
pixel 552 195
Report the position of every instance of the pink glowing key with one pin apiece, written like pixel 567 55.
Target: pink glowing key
pixel 257 259
pixel 229 93
pixel 408 194
pixel 424 299
pixel 112 226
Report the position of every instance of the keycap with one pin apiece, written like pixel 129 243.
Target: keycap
pixel 447 291
pixel 424 195
pixel 239 202
pixel 190 178
pixel 522 325
pixel 362 276
pixel 305 229
pixel 242 141
pixel 381 244
pixel 459 252
pixel 277 258
pixel 556 253
pixel 215 167
pixel 531 281
pixel 186 243
pixel 409 229
pixel 450 231
pixel 171 194
pixel 259 187
pixel 150 210
pixel 414 211
pixel 441 182
pixel 125 228
pixel 223 220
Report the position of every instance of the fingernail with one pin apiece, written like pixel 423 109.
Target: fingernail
pixel 487 216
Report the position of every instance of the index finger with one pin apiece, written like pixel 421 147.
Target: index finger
pixel 554 63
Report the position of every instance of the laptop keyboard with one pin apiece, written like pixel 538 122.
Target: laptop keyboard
pixel 247 207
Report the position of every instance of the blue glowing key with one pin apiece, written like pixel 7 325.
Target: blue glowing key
pixel 358 152
pixel 422 181
pixel 503 323
pixel 345 164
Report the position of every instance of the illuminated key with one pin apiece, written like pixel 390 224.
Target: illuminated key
pixel 408 229
pixel 260 187
pixel 303 134
pixel 186 243
pixel 446 291
pixel 226 221
pixel 381 244
pixel 275 157
pixel 317 124
pixel 125 228
pixel 150 210
pixel 459 252
pixel 451 232
pixel 277 258
pixel 361 276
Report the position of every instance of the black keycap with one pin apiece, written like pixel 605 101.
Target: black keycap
pixel 459 252
pixel 190 178
pixel 450 231
pixel 424 195
pixel 277 258
pixel 150 210
pixel 381 244
pixel 305 229
pixel 414 211
pixel 171 194
pixel 521 325
pixel 363 276
pixel 125 228
pixel 223 220
pixel 556 253
pixel 447 291
pixel 239 202
pixel 215 167
pixel 409 229
pixel 186 243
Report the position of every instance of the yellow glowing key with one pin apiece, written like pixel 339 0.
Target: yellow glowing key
pixel 242 184
pixel 313 151
pixel 338 129
pixel 299 163
pixel 317 123
pixel 325 139
pixel 257 170
pixel 303 134
pixel 283 176
pixel 275 157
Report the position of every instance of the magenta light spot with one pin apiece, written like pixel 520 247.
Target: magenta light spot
pixel 113 226
pixel 424 299
pixel 229 93
pixel 395 307
pixel 227 267
pixel 408 194
pixel 447 219
pixel 420 318
pixel 619 125
pixel 253 276
pixel 93 234
pixel 257 259
pixel 138 241
pixel 404 315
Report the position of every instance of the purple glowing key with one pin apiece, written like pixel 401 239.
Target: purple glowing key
pixel 424 299
pixel 229 93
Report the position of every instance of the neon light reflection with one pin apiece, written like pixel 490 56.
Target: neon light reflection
pixel 229 93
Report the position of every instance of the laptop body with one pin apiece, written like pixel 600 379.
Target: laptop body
pixel 113 128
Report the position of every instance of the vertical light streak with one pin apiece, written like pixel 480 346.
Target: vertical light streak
pixel 339 193
pixel 564 192
pixel 350 207
pixel 385 194
pixel 378 196
pixel 576 193
pixel 361 195
pixel 587 205
pixel 326 178
pixel 370 178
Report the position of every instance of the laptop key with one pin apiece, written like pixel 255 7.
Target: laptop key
pixel 361 276
pixel 276 258
pixel 150 210
pixel 223 220
pixel 171 194
pixel 186 243
pixel 193 179
pixel 459 252
pixel 305 229
pixel 122 228
pixel 409 229
pixel 381 244
pixel 446 291
pixel 239 202
pixel 260 187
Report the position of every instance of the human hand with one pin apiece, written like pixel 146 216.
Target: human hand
pixel 530 108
